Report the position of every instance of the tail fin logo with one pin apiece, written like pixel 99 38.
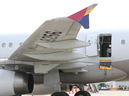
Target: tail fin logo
pixel 83 16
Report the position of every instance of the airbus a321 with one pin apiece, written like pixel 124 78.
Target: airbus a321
pixel 59 56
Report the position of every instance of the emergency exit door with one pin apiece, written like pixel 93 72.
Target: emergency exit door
pixel 92 49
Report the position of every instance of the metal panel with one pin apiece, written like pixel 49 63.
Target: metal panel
pixel 60 56
pixel 92 49
pixel 52 79
pixel 67 44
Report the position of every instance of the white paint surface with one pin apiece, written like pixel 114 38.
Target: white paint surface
pixel 92 49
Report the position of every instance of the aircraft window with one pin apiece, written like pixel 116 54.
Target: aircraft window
pixel 20 43
pixel 3 45
pixel 10 44
pixel 122 42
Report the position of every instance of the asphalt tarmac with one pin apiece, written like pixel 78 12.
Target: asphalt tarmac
pixel 101 93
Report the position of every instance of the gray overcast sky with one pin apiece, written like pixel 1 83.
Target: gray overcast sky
pixel 25 16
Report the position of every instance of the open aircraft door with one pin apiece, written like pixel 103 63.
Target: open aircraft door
pixel 92 49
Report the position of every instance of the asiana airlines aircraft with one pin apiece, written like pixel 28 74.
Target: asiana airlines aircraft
pixel 58 56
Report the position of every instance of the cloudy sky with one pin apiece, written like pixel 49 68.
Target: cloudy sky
pixel 25 16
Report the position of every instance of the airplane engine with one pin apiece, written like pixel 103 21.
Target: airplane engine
pixel 15 83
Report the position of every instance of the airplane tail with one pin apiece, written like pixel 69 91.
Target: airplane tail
pixel 83 16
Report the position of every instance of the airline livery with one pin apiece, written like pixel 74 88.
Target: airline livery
pixel 58 56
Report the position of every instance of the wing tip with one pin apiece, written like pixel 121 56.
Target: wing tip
pixel 82 16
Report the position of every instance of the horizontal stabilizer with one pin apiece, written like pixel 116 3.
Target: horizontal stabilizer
pixel 68 44
pixel 60 56
pixel 82 16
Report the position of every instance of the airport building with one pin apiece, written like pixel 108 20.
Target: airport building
pixel 118 84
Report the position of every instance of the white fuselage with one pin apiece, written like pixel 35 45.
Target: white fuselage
pixel 119 51
pixel 9 43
